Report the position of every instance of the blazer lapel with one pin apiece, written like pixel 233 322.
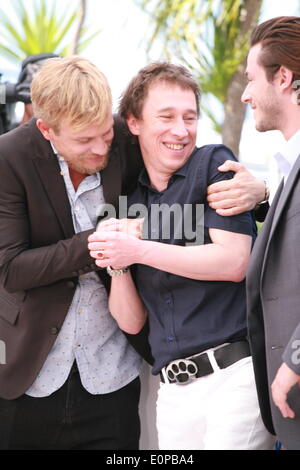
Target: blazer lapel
pixel 281 205
pixel 111 180
pixel 48 168
pixel 285 194
pixel 258 253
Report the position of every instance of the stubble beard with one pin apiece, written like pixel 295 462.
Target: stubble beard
pixel 270 115
pixel 83 170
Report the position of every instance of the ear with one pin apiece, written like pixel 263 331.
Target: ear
pixel 133 124
pixel 44 129
pixel 285 76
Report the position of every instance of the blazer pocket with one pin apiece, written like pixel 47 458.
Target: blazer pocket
pixel 9 311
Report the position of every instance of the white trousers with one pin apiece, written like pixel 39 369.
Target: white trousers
pixel 217 412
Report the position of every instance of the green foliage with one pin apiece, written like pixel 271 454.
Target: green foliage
pixel 42 30
pixel 203 34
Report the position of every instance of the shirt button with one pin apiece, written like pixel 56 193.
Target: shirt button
pixel 70 284
pixel 170 339
pixel 168 301
pixel 54 330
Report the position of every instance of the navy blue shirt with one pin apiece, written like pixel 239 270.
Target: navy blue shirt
pixel 187 316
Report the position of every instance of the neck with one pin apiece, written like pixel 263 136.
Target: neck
pixel 158 181
pixel 291 121
pixel 76 177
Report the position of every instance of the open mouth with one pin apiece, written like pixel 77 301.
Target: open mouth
pixel 175 146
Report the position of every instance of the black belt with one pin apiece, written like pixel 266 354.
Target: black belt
pixel 182 371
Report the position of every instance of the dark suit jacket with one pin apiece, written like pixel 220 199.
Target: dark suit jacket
pixel 273 304
pixel 40 256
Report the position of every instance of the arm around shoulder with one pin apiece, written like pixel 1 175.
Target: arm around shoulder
pixel 239 194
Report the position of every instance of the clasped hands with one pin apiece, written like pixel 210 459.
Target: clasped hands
pixel 115 242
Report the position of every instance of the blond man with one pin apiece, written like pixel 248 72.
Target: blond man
pixel 69 379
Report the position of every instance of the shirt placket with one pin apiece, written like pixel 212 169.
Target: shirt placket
pixel 167 301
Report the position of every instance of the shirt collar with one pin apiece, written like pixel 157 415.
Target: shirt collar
pixel 288 154
pixel 53 148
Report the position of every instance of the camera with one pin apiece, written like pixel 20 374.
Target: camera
pixel 11 93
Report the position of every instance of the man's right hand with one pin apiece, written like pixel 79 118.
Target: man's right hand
pixel 239 194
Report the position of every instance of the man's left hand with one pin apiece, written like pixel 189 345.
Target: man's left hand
pixel 132 227
pixel 236 195
pixel 285 379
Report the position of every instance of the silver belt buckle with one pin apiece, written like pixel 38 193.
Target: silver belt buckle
pixel 181 371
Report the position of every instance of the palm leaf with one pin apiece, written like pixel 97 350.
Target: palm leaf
pixel 41 30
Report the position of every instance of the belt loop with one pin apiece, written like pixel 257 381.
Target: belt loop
pixel 164 374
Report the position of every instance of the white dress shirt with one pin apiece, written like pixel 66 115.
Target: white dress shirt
pixel 288 155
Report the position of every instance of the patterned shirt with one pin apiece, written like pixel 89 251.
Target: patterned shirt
pixel 89 335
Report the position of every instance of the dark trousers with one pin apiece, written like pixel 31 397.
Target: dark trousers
pixel 72 419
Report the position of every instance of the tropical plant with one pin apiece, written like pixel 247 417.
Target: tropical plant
pixel 74 49
pixel 41 30
pixel 210 37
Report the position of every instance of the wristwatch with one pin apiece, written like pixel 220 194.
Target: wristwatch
pixel 266 197
pixel 116 272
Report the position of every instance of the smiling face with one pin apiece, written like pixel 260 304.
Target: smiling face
pixel 168 128
pixel 261 94
pixel 85 151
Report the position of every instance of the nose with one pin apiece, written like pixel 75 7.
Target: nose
pixel 99 146
pixel 246 98
pixel 179 129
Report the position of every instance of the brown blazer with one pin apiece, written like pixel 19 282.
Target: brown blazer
pixel 40 256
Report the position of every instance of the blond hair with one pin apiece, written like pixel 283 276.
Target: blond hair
pixel 70 89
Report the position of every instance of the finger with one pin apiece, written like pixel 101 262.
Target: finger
pixel 110 225
pixel 103 263
pixel 96 246
pixel 108 221
pixel 285 410
pixel 98 236
pixel 224 199
pixel 280 400
pixel 219 187
pixel 113 227
pixel 229 212
pixel 97 254
pixel 231 165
